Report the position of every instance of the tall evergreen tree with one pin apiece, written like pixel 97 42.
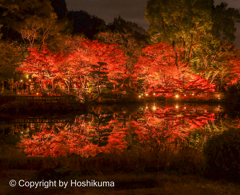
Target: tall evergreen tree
pixel 86 24
pixel 203 31
pixel 184 23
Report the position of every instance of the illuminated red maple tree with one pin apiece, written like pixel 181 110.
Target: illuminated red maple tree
pixel 87 61
pixel 43 65
pixel 91 60
pixel 164 76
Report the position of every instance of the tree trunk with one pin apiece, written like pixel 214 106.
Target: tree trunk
pixel 53 86
pixel 69 86
pixel 176 57
pixel 130 83
pixel 11 84
pixel 2 86
pixel 190 51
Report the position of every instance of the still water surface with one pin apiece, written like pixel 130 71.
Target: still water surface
pixel 113 129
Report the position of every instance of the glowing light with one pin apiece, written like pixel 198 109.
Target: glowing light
pixel 185 95
pixel 146 107
pixel 176 96
pixel 146 94
pixel 37 93
pixel 21 80
pixel 139 96
pixel 30 80
pixel 193 94
pixel 154 107
pixel 219 98
pixel 184 107
pixel 176 106
pixel 154 94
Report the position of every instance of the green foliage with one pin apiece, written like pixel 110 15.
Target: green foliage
pixel 122 26
pixel 35 21
pixel 185 22
pixel 10 56
pixel 224 20
pixel 203 32
pixel 222 154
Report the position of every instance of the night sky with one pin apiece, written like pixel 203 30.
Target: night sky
pixel 130 10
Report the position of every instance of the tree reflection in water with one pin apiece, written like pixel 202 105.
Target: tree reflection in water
pixel 111 131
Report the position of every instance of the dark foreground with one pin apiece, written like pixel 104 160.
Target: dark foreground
pixel 152 183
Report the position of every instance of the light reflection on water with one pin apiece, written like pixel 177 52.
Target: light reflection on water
pixel 113 129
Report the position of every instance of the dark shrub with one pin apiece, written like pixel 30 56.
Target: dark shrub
pixel 222 153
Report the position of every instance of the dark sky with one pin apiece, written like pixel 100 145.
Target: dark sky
pixel 131 10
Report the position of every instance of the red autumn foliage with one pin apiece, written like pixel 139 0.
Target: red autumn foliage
pixel 233 65
pixel 87 53
pixel 153 130
pixel 160 129
pixel 81 61
pixel 164 77
pixel 73 140
pixel 42 64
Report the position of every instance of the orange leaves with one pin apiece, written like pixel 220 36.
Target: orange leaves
pixel 163 126
pixel 116 144
pixel 48 143
pixel 41 63
pixel 233 64
pixel 92 52
pixel 75 140
pixel 79 61
pixel 164 76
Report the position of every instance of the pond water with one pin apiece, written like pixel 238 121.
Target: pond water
pixel 116 128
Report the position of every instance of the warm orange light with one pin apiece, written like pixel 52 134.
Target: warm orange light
pixel 184 107
pixel 193 94
pixel 21 80
pixel 154 107
pixel 30 80
pixel 176 106
pixel 37 93
pixel 185 95
pixel 153 93
pixel 139 96
pixel 146 94
pixel 177 96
